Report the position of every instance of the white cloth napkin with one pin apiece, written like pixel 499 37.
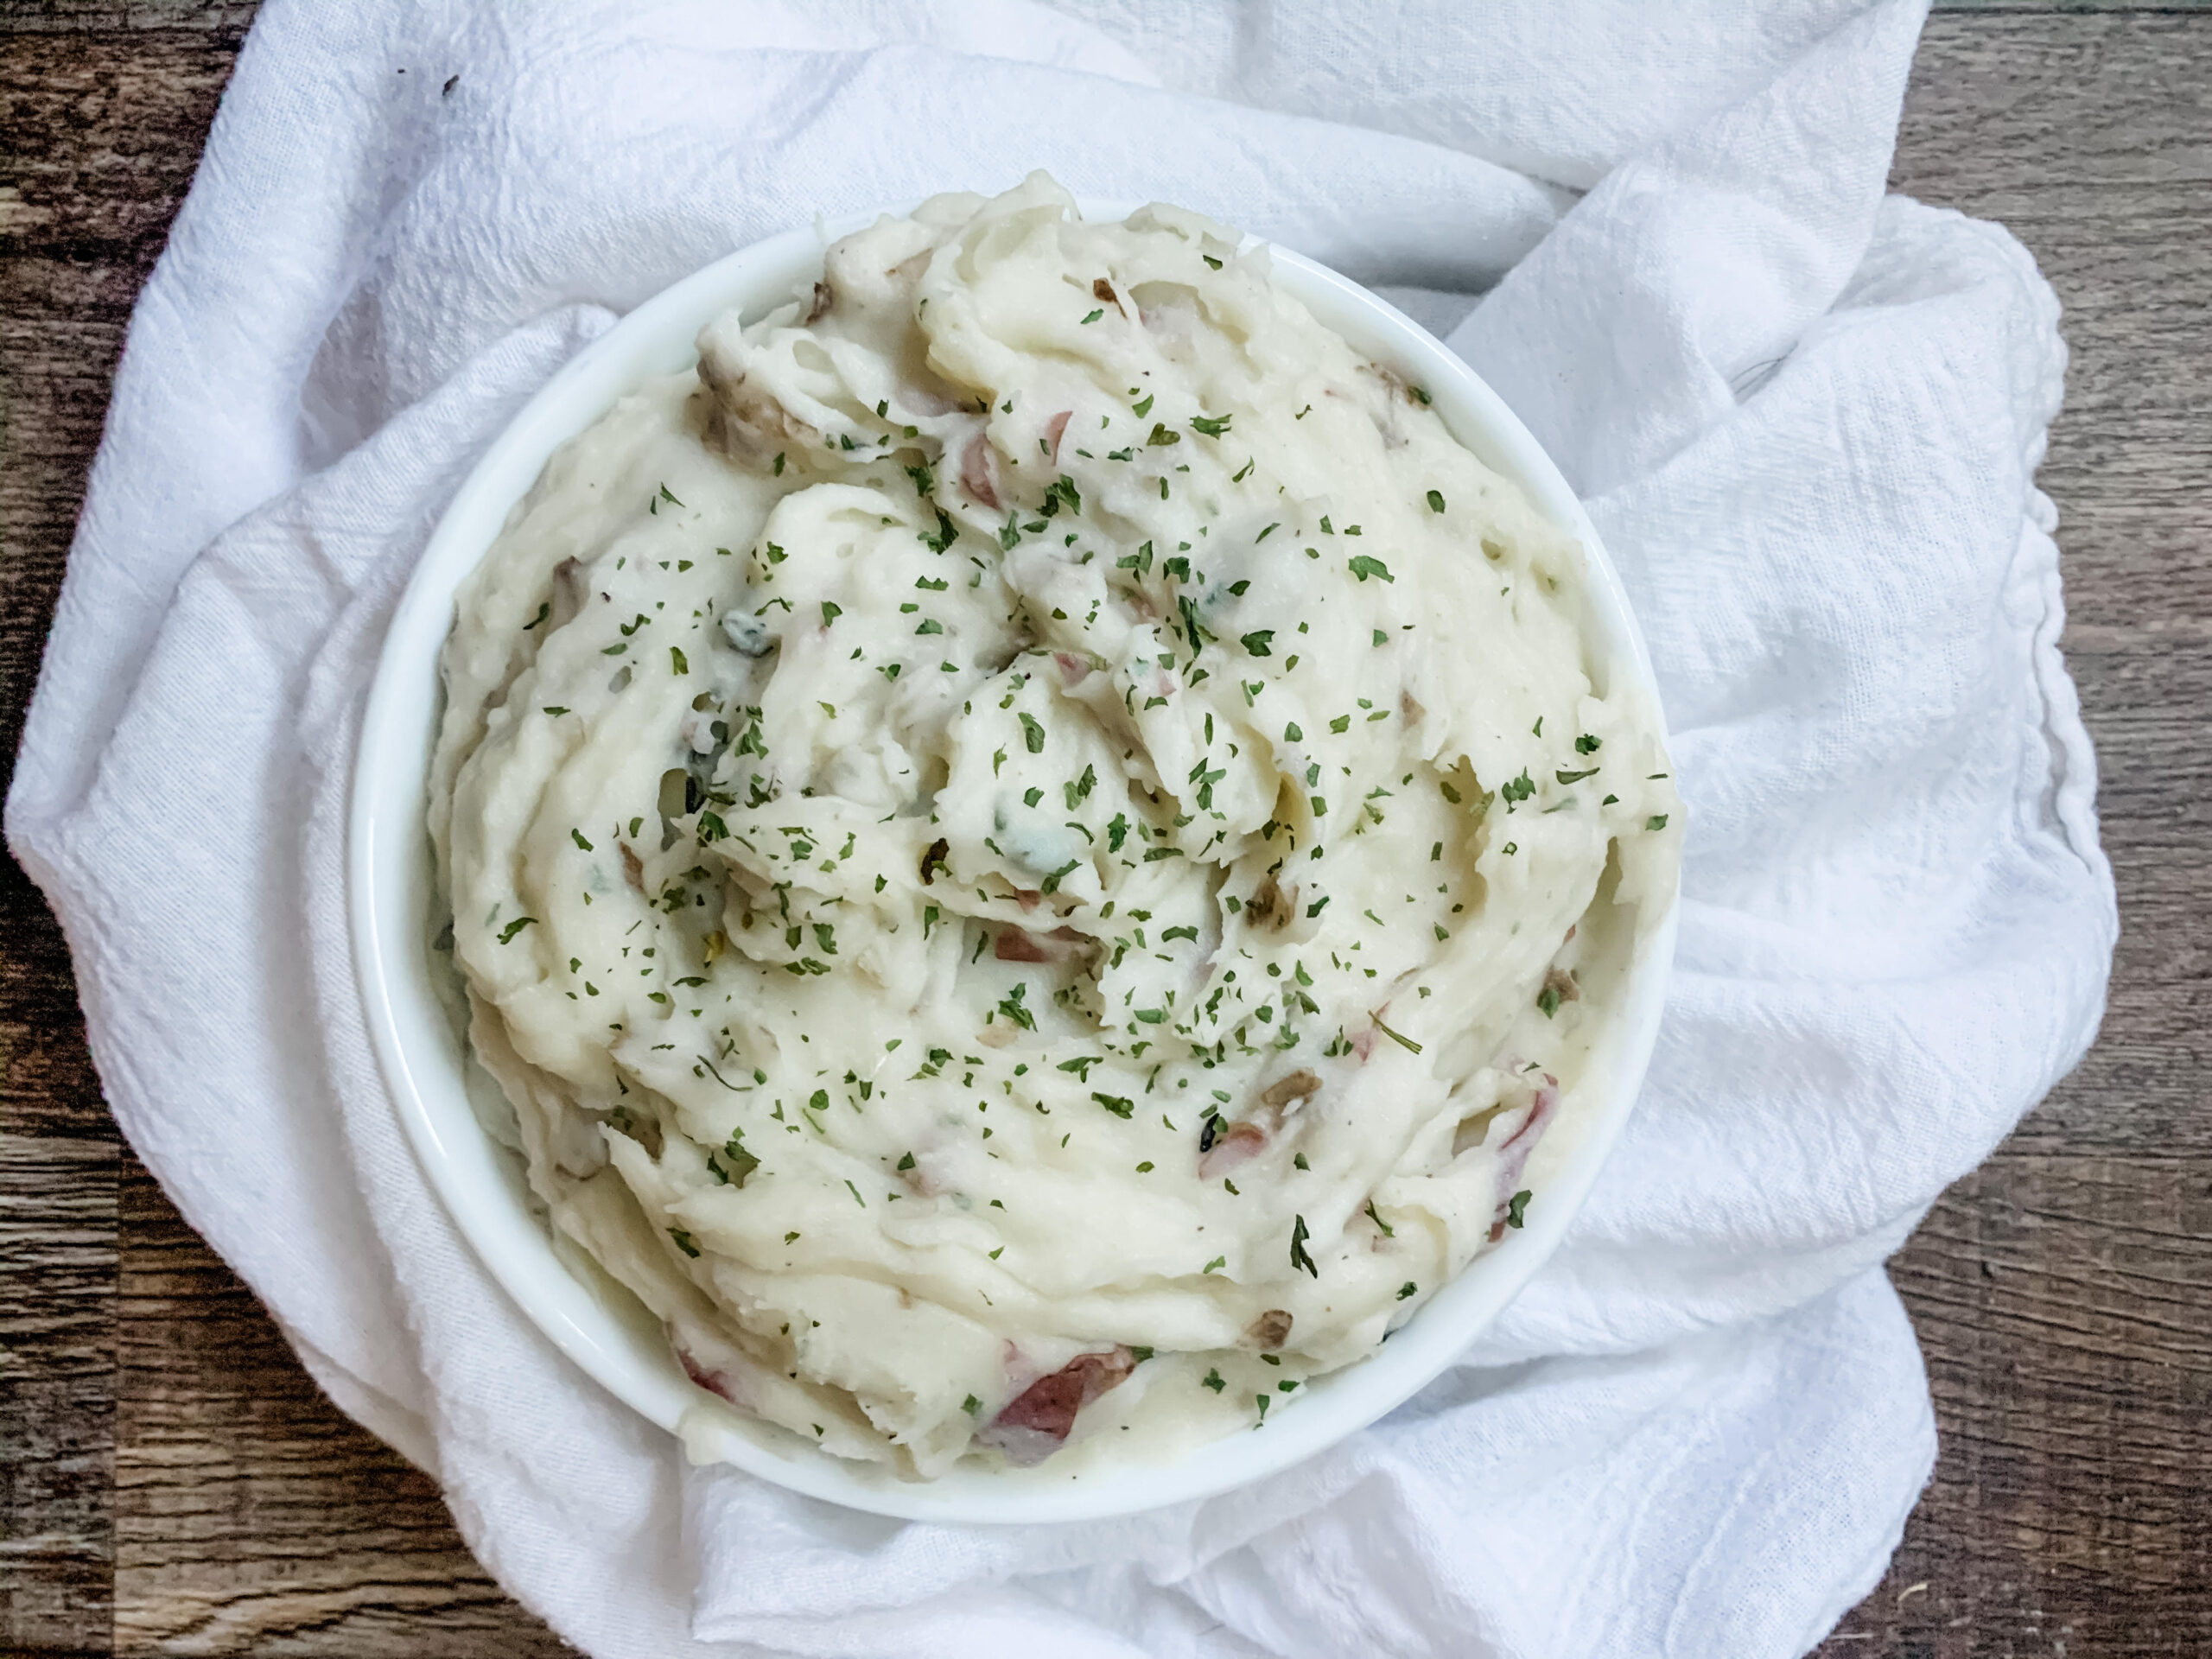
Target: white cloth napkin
pixel 1806 418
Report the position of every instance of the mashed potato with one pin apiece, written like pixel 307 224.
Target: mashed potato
pixel 1035 845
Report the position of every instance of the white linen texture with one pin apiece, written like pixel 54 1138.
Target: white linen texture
pixel 1805 416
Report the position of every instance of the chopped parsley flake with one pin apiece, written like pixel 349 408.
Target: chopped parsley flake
pixel 1399 1038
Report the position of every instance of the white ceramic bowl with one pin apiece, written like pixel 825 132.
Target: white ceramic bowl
pixel 598 1326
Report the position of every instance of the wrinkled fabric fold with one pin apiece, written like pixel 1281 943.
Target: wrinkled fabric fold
pixel 1806 417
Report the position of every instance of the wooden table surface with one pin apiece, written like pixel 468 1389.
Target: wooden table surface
pixel 171 1483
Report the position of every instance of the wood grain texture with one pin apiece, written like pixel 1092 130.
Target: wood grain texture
pixel 208 25
pixel 2061 1291
pixel 95 150
pixel 171 1483
pixel 250 1517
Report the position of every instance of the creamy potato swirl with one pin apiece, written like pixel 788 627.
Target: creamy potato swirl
pixel 1035 845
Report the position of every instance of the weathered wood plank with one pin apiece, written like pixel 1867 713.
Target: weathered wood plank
pixel 216 24
pixel 2060 1291
pixel 250 1516
pixel 2047 8
pixel 2092 138
pixel 97 146
pixel 2064 1305
pixel 57 1563
pixel 58 1161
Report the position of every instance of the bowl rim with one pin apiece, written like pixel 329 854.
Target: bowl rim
pixel 388 882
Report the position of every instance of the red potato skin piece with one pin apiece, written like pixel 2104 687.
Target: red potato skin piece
pixel 1014 945
pixel 1055 426
pixel 1018 945
pixel 570 590
pixel 1532 1127
pixel 1036 1422
pixel 975 471
pixel 1514 1150
pixel 1236 1144
pixel 714 1382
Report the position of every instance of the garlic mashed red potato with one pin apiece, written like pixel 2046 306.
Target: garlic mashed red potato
pixel 1035 845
